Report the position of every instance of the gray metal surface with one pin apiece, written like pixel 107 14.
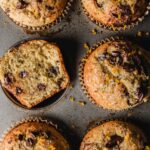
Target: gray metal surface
pixel 70 34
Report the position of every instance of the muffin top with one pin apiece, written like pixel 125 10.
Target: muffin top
pixel 115 12
pixel 116 75
pixel 33 13
pixel 113 135
pixel 34 136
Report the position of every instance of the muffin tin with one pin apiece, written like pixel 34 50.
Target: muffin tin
pixel 71 35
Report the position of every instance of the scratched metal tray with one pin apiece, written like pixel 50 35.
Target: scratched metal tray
pixel 71 34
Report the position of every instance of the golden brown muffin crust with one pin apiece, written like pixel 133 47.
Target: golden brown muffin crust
pixel 116 75
pixel 114 135
pixel 34 136
pixel 33 13
pixel 115 12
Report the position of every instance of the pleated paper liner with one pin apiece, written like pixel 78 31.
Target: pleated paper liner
pixel 122 28
pixel 100 122
pixel 81 72
pixel 44 105
pixel 47 26
pixel 38 120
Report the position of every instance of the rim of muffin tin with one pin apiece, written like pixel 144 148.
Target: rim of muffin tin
pixel 121 28
pixel 38 120
pixel 81 72
pixel 49 25
pixel 100 122
pixel 45 104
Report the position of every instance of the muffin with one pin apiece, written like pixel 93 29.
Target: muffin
pixel 33 71
pixel 114 135
pixel 37 14
pixel 34 135
pixel 116 75
pixel 115 13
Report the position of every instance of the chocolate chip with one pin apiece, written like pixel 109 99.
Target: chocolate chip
pixel 112 60
pixel 99 4
pixel 59 82
pixel 50 8
pixel 115 53
pixel 128 67
pixel 34 133
pixel 139 94
pixel 8 78
pixel 125 10
pixel 21 4
pixel 114 140
pixel 53 71
pixel 29 142
pixel 41 86
pixel 40 1
pixel 46 134
pixel 18 90
pixel 20 137
pixel 23 74
pixel 115 15
pixel 103 56
pixel 10 141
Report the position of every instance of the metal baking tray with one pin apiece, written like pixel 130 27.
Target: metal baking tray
pixel 71 34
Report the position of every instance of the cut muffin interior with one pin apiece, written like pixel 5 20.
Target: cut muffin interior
pixel 33 71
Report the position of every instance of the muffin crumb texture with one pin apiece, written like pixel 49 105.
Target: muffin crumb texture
pixel 34 136
pixel 33 71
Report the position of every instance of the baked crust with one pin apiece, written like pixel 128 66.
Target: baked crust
pixel 35 13
pixel 116 13
pixel 113 135
pixel 116 75
pixel 34 135
pixel 33 71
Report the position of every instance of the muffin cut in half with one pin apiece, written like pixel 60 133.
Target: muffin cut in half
pixel 116 75
pixel 34 14
pixel 34 136
pixel 115 13
pixel 114 135
pixel 33 71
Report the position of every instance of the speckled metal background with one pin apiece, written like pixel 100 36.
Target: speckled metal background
pixel 71 34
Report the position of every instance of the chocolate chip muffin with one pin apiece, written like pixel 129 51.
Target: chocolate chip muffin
pixel 115 13
pixel 116 75
pixel 33 71
pixel 34 136
pixel 34 14
pixel 114 135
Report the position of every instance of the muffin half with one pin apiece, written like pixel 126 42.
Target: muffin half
pixel 116 75
pixel 34 14
pixel 34 135
pixel 115 13
pixel 33 71
pixel 114 135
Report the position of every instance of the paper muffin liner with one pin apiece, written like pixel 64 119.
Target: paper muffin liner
pixel 113 28
pixel 124 120
pixel 44 105
pixel 47 26
pixel 32 119
pixel 81 72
